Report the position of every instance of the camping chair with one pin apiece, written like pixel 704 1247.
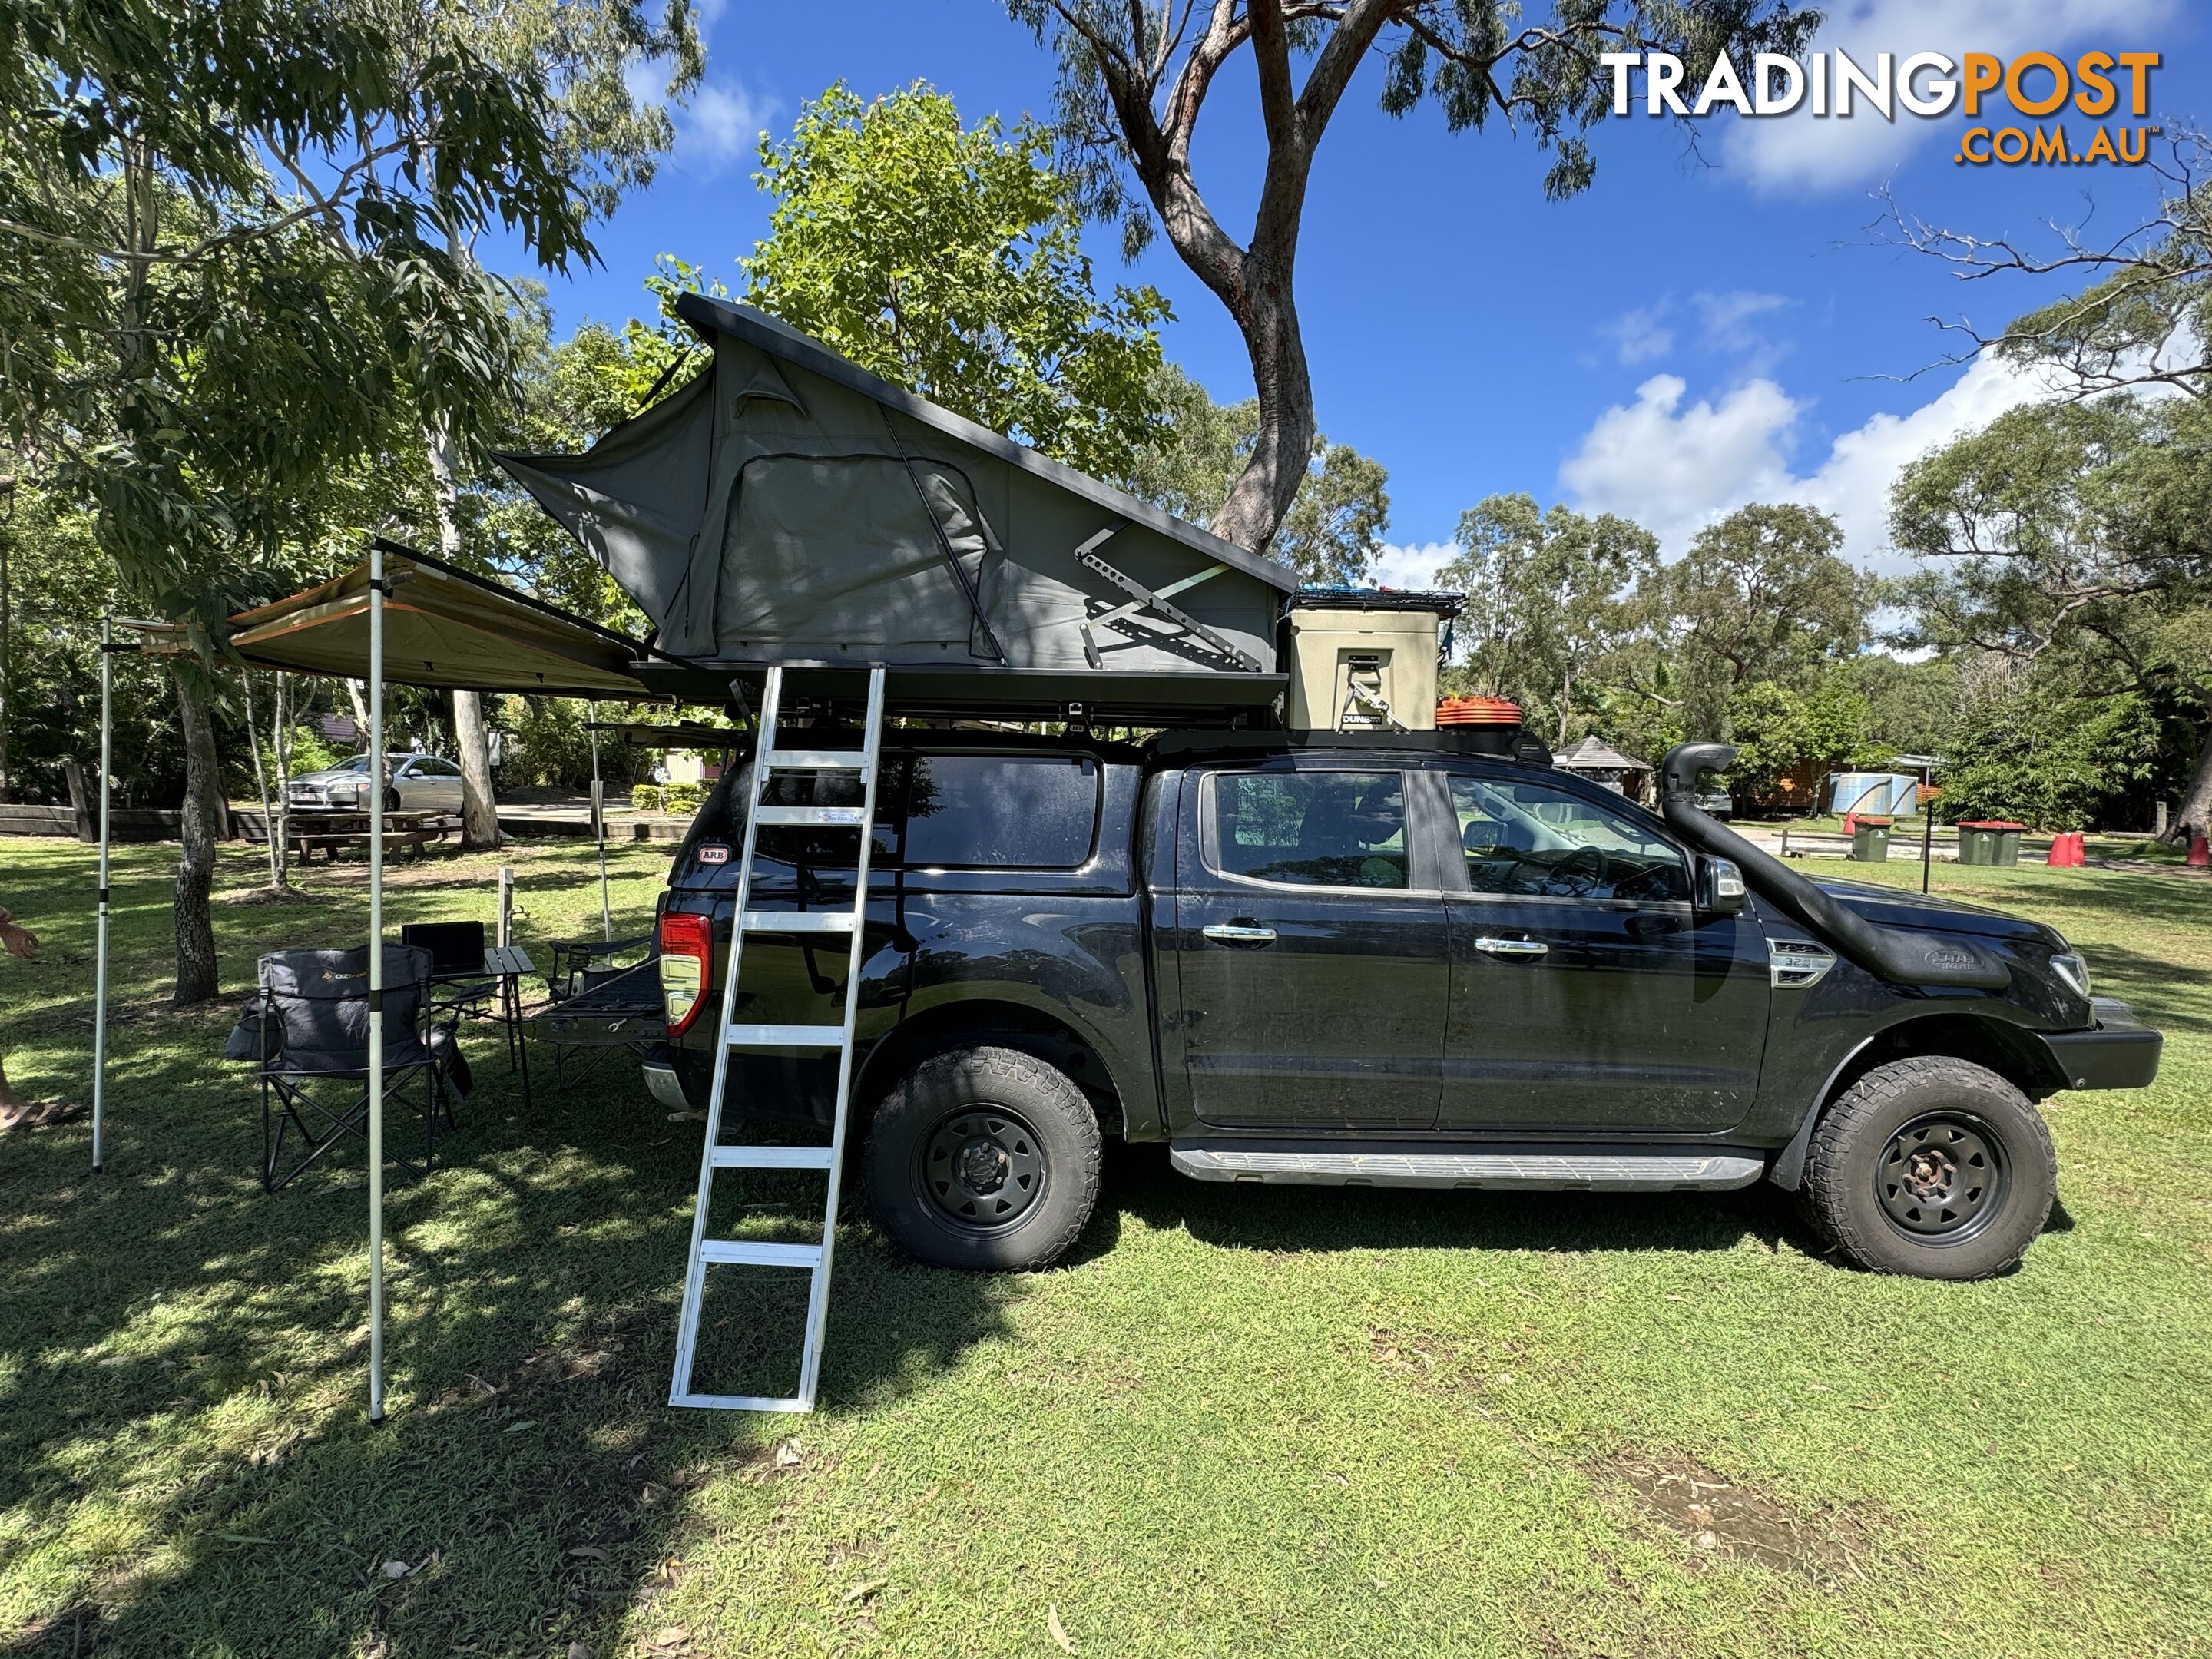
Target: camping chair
pixel 580 965
pixel 306 1034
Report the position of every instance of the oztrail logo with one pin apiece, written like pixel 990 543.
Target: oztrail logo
pixel 1930 85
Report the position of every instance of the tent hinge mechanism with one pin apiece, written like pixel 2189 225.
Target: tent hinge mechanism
pixel 1145 598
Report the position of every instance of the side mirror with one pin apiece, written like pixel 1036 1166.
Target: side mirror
pixel 1720 892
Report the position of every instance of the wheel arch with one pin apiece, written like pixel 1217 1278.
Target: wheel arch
pixel 959 1023
pixel 2013 1053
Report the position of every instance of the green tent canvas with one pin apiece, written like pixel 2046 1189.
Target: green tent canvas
pixel 787 506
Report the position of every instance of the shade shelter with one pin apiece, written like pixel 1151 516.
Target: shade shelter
pixel 786 506
pixel 1599 760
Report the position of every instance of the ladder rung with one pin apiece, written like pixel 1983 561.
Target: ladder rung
pixel 771 1157
pixel 798 921
pixel 851 818
pixel 787 1037
pixel 742 1402
pixel 739 1253
pixel 816 760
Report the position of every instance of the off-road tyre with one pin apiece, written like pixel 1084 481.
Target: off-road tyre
pixel 1934 1168
pixel 985 1158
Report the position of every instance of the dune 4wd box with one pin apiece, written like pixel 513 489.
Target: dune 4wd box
pixel 1365 660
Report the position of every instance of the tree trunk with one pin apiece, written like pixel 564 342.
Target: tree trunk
pixel 198 979
pixel 7 660
pixel 1261 496
pixel 261 782
pixel 281 742
pixel 2195 817
pixel 479 812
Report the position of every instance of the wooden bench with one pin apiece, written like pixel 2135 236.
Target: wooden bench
pixel 332 831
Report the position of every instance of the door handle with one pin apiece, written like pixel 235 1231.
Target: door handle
pixel 1239 934
pixel 1512 947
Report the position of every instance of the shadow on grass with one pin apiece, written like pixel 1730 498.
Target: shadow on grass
pixel 184 1462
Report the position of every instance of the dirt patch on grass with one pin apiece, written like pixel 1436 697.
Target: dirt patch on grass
pixel 1437 1364
pixel 1720 1517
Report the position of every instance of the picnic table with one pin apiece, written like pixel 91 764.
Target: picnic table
pixel 332 831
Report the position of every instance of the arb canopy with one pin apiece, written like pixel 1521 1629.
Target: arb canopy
pixel 787 506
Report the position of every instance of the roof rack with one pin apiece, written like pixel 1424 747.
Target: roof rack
pixel 1512 742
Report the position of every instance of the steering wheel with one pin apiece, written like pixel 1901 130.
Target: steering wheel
pixel 1579 874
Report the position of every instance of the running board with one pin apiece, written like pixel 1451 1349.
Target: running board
pixel 1611 1171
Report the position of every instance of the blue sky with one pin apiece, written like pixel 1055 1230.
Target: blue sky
pixel 1695 331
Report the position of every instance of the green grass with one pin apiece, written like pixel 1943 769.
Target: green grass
pixel 1238 1422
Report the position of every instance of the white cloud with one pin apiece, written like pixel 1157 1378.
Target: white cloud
pixel 722 124
pixel 1638 335
pixel 1413 567
pixel 1675 468
pixel 1800 149
pixel 1732 323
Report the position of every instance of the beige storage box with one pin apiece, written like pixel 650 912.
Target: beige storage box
pixel 1365 662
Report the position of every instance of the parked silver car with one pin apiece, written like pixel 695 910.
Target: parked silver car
pixel 422 783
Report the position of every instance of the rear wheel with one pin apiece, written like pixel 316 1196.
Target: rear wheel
pixel 984 1158
pixel 1936 1167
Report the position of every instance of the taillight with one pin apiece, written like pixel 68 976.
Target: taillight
pixel 686 943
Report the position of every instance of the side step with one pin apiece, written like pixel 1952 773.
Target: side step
pixel 1608 1171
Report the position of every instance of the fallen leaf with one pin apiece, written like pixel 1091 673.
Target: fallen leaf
pixel 589 1552
pixel 789 1453
pixel 860 1592
pixel 670 1636
pixel 578 1650
pixel 1059 1632
pixel 1707 1540
pixel 395 1569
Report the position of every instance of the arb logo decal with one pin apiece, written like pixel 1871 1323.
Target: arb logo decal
pixel 714 851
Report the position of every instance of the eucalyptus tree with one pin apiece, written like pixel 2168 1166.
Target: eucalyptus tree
pixel 189 349
pixel 1547 599
pixel 946 258
pixel 1334 528
pixel 1134 78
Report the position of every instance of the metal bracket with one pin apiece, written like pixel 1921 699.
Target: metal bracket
pixel 1145 598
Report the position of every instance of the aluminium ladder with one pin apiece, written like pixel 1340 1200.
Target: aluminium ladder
pixel 770 760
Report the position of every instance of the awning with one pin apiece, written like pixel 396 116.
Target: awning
pixel 442 628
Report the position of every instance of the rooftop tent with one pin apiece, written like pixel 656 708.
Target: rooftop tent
pixel 787 506
pixel 442 628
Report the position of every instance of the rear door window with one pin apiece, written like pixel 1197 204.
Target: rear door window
pixel 998 811
pixel 1309 829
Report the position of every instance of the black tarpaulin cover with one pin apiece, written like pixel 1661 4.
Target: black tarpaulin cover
pixel 787 506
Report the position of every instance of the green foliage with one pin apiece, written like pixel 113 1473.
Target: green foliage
pixel 1334 528
pixel 683 797
pixel 645 797
pixel 2054 761
pixel 1778 729
pixel 947 259
pixel 1545 600
pixel 546 745
pixel 1762 594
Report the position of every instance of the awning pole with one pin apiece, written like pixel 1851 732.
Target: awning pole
pixel 376 985
pixel 600 821
pixel 100 973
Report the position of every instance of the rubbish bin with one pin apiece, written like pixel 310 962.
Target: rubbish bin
pixel 1989 840
pixel 1870 841
pixel 2008 841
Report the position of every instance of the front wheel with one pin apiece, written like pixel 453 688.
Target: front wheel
pixel 1935 1168
pixel 983 1158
